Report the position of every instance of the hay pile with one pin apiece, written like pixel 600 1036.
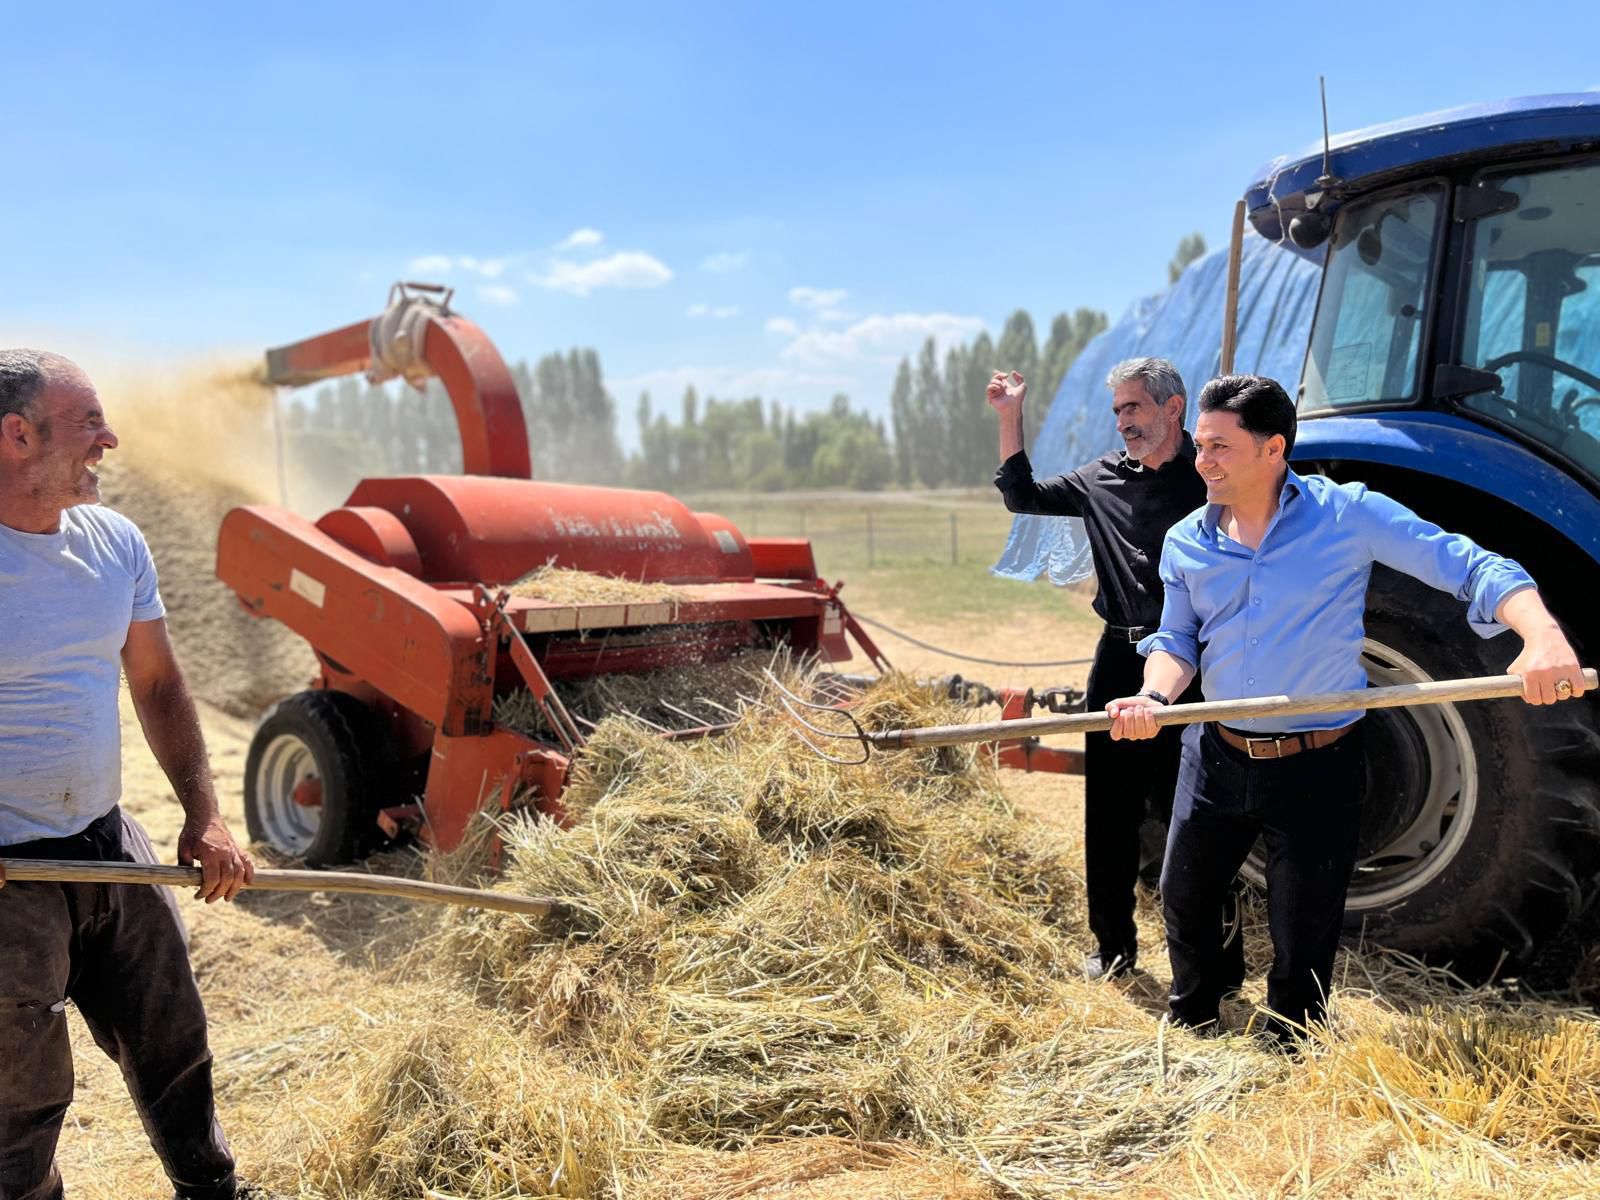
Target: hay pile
pixel 562 585
pixel 771 951
pixel 789 980
pixel 710 693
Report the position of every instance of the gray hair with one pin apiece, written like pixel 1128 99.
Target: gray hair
pixel 1160 379
pixel 24 374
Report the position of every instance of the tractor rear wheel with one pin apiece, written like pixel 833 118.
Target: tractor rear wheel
pixel 1480 837
pixel 309 779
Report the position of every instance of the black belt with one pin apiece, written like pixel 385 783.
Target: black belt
pixel 1129 633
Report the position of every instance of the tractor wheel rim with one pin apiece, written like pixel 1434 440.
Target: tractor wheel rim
pixel 286 762
pixel 1415 853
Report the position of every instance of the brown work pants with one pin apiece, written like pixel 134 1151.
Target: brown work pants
pixel 118 952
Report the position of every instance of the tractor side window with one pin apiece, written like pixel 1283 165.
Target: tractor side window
pixel 1367 335
pixel 1533 311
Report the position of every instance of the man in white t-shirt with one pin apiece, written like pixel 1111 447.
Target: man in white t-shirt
pixel 79 605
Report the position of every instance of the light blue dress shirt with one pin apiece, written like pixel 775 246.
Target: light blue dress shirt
pixel 1286 618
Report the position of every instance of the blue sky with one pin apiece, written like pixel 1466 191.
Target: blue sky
pixel 757 198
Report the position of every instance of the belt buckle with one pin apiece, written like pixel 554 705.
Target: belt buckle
pixel 1276 743
pixel 1134 633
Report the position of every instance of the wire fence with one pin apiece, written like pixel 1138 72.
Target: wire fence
pixel 887 535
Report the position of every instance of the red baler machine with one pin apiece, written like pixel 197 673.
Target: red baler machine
pixel 401 594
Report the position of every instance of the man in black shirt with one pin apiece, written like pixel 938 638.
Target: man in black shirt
pixel 1128 499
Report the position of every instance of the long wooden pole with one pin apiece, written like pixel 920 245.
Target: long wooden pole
pixel 1445 691
pixel 26 870
pixel 1230 303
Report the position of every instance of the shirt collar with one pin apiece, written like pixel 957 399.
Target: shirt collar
pixel 1293 485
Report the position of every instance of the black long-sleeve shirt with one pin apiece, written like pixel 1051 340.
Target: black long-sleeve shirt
pixel 1127 510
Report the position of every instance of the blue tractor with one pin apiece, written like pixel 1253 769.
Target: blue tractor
pixel 1454 363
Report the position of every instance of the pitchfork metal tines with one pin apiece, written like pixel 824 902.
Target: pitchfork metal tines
pixel 836 710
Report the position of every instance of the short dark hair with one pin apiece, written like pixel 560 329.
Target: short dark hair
pixel 1261 405
pixel 23 374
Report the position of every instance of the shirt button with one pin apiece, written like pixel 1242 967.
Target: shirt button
pixel 1250 682
pixel 1255 641
pixel 1257 600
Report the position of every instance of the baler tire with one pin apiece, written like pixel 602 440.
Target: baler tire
pixel 1527 862
pixel 341 734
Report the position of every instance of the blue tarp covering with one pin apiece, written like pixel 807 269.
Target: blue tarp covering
pixel 1277 297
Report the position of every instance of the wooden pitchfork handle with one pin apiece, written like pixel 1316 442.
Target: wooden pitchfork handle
pixel 1443 691
pixel 30 870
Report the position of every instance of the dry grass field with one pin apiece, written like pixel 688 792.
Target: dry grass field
pixel 789 980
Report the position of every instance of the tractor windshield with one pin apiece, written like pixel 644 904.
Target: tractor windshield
pixel 1533 307
pixel 1367 336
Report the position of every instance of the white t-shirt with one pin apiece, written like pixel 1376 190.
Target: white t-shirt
pixel 66 600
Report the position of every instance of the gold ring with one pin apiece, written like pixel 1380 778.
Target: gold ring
pixel 1564 688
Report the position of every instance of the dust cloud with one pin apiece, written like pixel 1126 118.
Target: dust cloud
pixel 198 439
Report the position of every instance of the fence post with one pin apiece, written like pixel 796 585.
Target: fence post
pixel 870 548
pixel 955 555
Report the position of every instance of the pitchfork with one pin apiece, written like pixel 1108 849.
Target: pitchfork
pixel 1443 691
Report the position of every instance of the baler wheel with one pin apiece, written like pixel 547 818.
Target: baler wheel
pixel 308 779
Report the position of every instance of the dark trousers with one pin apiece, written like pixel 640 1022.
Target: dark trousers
pixel 1128 788
pixel 119 952
pixel 1307 811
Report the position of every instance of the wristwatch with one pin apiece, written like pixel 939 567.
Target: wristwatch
pixel 1154 695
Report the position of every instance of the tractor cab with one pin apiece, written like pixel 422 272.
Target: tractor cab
pixel 1462 270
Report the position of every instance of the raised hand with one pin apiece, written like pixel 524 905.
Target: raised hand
pixel 1006 392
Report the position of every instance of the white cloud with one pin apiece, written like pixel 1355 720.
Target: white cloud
pixel 498 293
pixel 431 264
pixel 770 383
pixel 444 264
pixel 579 239
pixel 817 298
pixel 624 269
pixel 715 311
pixel 782 326
pixel 880 338
pixel 724 261
pixel 836 315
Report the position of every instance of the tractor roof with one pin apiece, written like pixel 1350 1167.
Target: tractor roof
pixel 1367 157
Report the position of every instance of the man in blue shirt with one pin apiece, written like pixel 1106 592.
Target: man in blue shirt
pixel 1265 590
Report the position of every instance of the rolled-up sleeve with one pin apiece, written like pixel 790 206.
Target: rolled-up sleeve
pixel 1451 562
pixel 1179 634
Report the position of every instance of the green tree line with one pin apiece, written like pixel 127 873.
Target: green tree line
pixel 940 432
pixel 751 446
pixel 943 429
